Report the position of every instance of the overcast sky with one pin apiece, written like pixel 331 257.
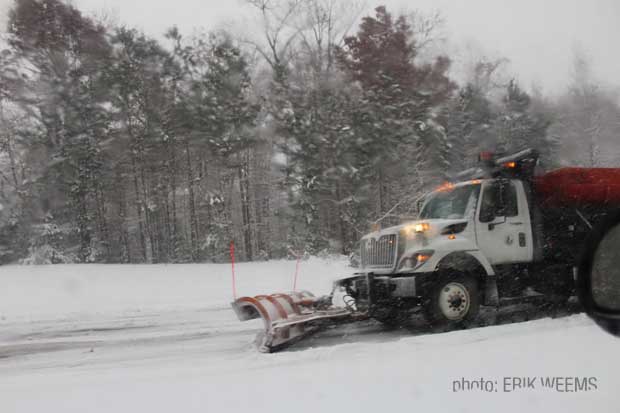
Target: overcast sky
pixel 538 36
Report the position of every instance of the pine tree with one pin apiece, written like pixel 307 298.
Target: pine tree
pixel 518 127
pixel 399 114
pixel 66 51
pixel 470 118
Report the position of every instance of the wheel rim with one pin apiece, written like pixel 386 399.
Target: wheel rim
pixel 454 301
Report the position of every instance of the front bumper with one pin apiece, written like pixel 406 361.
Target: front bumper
pixel 371 291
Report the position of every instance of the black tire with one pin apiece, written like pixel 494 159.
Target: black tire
pixel 454 301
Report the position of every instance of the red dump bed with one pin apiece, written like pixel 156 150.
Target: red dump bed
pixel 574 187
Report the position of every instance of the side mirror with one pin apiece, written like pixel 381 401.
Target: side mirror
pixel 487 215
pixel 598 275
pixel 497 220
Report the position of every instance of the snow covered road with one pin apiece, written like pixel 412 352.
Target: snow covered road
pixel 163 338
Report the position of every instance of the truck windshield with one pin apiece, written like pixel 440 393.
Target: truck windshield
pixel 453 203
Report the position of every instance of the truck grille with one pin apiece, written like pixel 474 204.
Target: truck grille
pixel 379 253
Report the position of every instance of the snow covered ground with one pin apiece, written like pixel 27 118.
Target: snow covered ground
pixel 163 339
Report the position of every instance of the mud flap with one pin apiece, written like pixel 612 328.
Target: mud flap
pixel 491 294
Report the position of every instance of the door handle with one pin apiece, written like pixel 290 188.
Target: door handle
pixel 516 223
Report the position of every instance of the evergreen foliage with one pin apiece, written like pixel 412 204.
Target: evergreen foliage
pixel 117 147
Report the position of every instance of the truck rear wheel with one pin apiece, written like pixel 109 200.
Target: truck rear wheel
pixel 454 301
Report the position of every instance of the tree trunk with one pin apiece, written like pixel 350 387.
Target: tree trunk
pixel 102 221
pixel 244 187
pixel 192 205
pixel 138 208
pixel 173 190
pixel 125 253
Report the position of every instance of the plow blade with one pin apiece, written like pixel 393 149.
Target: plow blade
pixel 289 317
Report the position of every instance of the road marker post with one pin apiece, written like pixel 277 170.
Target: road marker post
pixel 232 262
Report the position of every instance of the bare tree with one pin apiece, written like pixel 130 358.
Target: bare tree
pixel 278 34
pixel 427 30
pixel 322 26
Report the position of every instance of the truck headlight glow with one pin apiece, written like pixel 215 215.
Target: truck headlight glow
pixel 413 229
pixel 416 260
pixel 422 257
pixel 454 229
pixel 422 227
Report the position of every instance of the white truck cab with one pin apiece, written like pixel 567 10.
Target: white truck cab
pixel 470 236
pixel 488 219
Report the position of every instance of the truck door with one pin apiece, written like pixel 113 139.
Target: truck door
pixel 503 227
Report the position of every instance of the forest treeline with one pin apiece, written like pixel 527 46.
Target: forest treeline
pixel 117 147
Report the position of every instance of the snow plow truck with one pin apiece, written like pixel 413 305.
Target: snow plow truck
pixel 495 234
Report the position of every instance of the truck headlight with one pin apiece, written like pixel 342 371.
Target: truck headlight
pixel 406 263
pixel 454 229
pixel 416 260
pixel 422 227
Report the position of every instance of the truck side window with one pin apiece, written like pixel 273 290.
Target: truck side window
pixel 499 200
pixel 509 197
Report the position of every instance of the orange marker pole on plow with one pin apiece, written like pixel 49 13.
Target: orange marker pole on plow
pixel 232 262
pixel 296 272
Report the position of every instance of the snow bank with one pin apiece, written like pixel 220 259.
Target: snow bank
pixel 45 292
pixel 162 338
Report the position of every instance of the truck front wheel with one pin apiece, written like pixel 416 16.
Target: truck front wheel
pixel 454 300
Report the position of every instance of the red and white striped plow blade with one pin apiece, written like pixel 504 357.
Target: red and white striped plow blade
pixel 287 317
